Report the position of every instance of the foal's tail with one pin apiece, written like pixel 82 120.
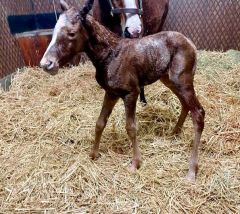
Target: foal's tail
pixel 194 55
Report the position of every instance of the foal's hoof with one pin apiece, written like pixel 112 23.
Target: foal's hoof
pixel 134 166
pixel 94 155
pixel 143 102
pixel 191 177
pixel 132 169
pixel 176 131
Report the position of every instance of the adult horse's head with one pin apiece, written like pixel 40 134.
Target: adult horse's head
pixel 69 37
pixel 130 12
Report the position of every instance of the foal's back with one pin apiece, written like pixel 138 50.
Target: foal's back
pixel 149 58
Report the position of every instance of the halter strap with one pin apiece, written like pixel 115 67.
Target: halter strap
pixel 127 10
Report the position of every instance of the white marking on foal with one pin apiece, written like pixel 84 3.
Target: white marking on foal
pixel 62 22
pixel 133 22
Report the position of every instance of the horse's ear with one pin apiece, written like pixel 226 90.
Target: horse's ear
pixel 64 5
pixel 86 8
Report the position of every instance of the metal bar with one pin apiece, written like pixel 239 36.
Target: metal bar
pixel 127 10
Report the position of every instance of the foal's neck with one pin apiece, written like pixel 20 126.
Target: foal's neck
pixel 101 43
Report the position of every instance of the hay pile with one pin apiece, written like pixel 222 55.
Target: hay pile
pixel 47 128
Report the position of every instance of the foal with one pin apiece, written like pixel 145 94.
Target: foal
pixel 123 65
pixel 132 19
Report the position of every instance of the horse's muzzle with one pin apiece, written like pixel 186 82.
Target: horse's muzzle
pixel 132 35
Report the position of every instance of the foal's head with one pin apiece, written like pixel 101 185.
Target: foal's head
pixel 131 23
pixel 68 38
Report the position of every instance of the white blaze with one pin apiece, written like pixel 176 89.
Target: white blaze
pixel 62 21
pixel 133 22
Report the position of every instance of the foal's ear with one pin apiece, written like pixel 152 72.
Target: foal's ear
pixel 86 8
pixel 64 5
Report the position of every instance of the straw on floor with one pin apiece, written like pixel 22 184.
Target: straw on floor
pixel 47 129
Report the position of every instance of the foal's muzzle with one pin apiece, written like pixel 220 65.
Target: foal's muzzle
pixel 49 66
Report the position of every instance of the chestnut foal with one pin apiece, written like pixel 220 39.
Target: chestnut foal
pixel 123 65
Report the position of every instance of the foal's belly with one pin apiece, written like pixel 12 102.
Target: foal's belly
pixel 151 78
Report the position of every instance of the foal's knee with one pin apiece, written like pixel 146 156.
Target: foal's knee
pixel 131 129
pixel 100 125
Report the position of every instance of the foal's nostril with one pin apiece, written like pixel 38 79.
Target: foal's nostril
pixel 49 63
pixel 46 65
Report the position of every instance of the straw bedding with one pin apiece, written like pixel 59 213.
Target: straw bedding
pixel 47 129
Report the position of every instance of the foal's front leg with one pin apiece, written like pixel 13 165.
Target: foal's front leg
pixel 130 109
pixel 108 104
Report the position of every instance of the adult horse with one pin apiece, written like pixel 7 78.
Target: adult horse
pixel 131 18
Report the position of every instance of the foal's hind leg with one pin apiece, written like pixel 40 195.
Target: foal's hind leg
pixel 184 111
pixel 198 114
pixel 180 81
pixel 108 104
pixel 186 94
pixel 130 109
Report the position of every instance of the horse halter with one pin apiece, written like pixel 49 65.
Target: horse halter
pixel 138 11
